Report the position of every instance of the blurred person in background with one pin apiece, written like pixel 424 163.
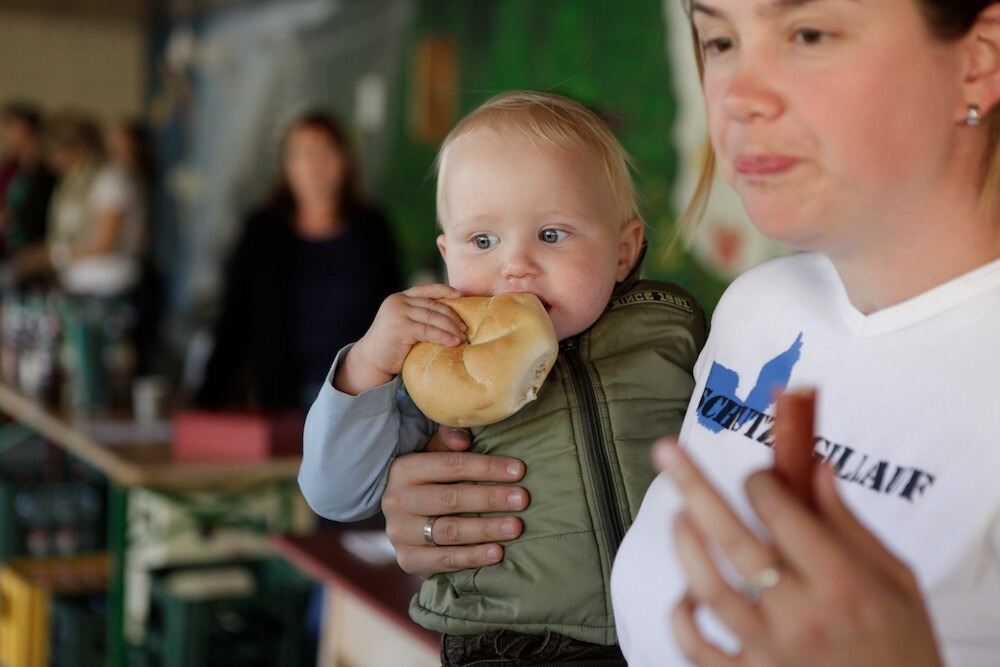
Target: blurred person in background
pixel 100 254
pixel 73 152
pixel 306 277
pixel 24 198
pixel 123 201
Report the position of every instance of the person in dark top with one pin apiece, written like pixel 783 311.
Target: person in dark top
pixel 25 198
pixel 308 275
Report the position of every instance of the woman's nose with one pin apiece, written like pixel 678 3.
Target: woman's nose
pixel 751 94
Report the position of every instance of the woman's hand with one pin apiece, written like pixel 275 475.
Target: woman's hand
pixel 423 486
pixel 826 593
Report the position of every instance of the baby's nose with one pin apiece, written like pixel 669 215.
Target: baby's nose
pixel 520 263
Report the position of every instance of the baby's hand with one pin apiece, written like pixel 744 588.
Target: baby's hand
pixel 404 319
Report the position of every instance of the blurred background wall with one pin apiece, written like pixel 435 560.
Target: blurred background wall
pixel 88 56
pixel 220 79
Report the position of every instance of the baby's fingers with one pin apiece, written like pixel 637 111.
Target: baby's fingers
pixel 434 315
pixel 433 291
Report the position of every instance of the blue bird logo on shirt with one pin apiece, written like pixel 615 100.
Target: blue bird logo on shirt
pixel 722 383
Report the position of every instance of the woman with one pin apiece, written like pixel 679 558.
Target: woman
pixel 865 132
pixel 306 277
pixel 25 200
pixel 104 258
pixel 74 152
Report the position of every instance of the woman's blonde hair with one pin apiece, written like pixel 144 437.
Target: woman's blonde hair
pixel 947 20
pixel 559 121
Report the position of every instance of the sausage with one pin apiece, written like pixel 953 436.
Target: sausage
pixel 794 440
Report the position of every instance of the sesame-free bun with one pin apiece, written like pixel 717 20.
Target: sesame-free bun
pixel 512 346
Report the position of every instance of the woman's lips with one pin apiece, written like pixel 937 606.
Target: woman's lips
pixel 763 164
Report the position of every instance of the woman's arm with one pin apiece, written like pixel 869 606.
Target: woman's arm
pixel 103 235
pixel 233 330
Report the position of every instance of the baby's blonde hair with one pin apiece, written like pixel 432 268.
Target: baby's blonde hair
pixel 562 122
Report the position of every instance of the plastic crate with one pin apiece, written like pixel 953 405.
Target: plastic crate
pixel 260 624
pixel 79 631
pixel 27 588
pixel 50 505
pixel 24 622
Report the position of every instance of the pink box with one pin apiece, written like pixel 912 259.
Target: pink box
pixel 237 436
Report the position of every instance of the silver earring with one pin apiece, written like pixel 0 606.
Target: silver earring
pixel 973 116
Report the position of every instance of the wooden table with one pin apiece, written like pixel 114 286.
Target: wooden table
pixel 138 465
pixel 365 618
pixel 141 464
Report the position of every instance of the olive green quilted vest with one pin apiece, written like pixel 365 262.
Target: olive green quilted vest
pixel 585 443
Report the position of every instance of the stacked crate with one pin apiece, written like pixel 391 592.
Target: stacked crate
pixel 28 588
pixel 237 614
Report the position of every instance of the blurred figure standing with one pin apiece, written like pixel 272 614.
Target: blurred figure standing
pixel 73 151
pixel 24 198
pixel 306 277
pixel 102 257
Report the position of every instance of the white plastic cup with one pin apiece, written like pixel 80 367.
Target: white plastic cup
pixel 149 398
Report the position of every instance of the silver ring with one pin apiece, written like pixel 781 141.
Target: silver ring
pixel 764 580
pixel 429 531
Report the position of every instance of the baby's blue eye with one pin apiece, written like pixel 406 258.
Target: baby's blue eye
pixel 485 241
pixel 552 235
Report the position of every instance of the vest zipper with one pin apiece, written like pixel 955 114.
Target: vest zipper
pixel 595 446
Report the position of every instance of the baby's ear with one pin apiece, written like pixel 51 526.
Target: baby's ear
pixel 630 238
pixel 442 247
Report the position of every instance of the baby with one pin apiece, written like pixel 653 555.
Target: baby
pixel 533 195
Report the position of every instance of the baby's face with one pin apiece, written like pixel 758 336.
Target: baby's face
pixel 524 217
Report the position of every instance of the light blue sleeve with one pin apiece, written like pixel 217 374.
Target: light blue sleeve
pixel 349 443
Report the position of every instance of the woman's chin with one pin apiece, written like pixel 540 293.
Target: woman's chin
pixel 787 225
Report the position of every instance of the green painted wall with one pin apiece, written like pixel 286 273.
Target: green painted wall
pixel 608 55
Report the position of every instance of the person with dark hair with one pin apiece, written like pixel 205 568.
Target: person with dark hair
pixel 306 277
pixel 17 121
pixel 24 198
pixel 74 152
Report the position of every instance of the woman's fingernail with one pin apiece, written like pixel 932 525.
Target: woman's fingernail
pixel 515 501
pixel 508 529
pixel 493 553
pixel 514 469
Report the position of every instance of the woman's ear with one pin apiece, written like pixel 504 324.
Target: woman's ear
pixel 630 238
pixel 982 74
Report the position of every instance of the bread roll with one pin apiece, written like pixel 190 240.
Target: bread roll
pixel 512 347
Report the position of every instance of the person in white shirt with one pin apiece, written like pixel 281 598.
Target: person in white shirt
pixel 865 133
pixel 105 257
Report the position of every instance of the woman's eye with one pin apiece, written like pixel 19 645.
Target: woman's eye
pixel 484 241
pixel 715 47
pixel 809 36
pixel 552 235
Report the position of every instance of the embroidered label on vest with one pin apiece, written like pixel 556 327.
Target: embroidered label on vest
pixel 653 296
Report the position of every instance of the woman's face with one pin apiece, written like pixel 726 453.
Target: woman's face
pixel 61 159
pixel 314 165
pixel 828 116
